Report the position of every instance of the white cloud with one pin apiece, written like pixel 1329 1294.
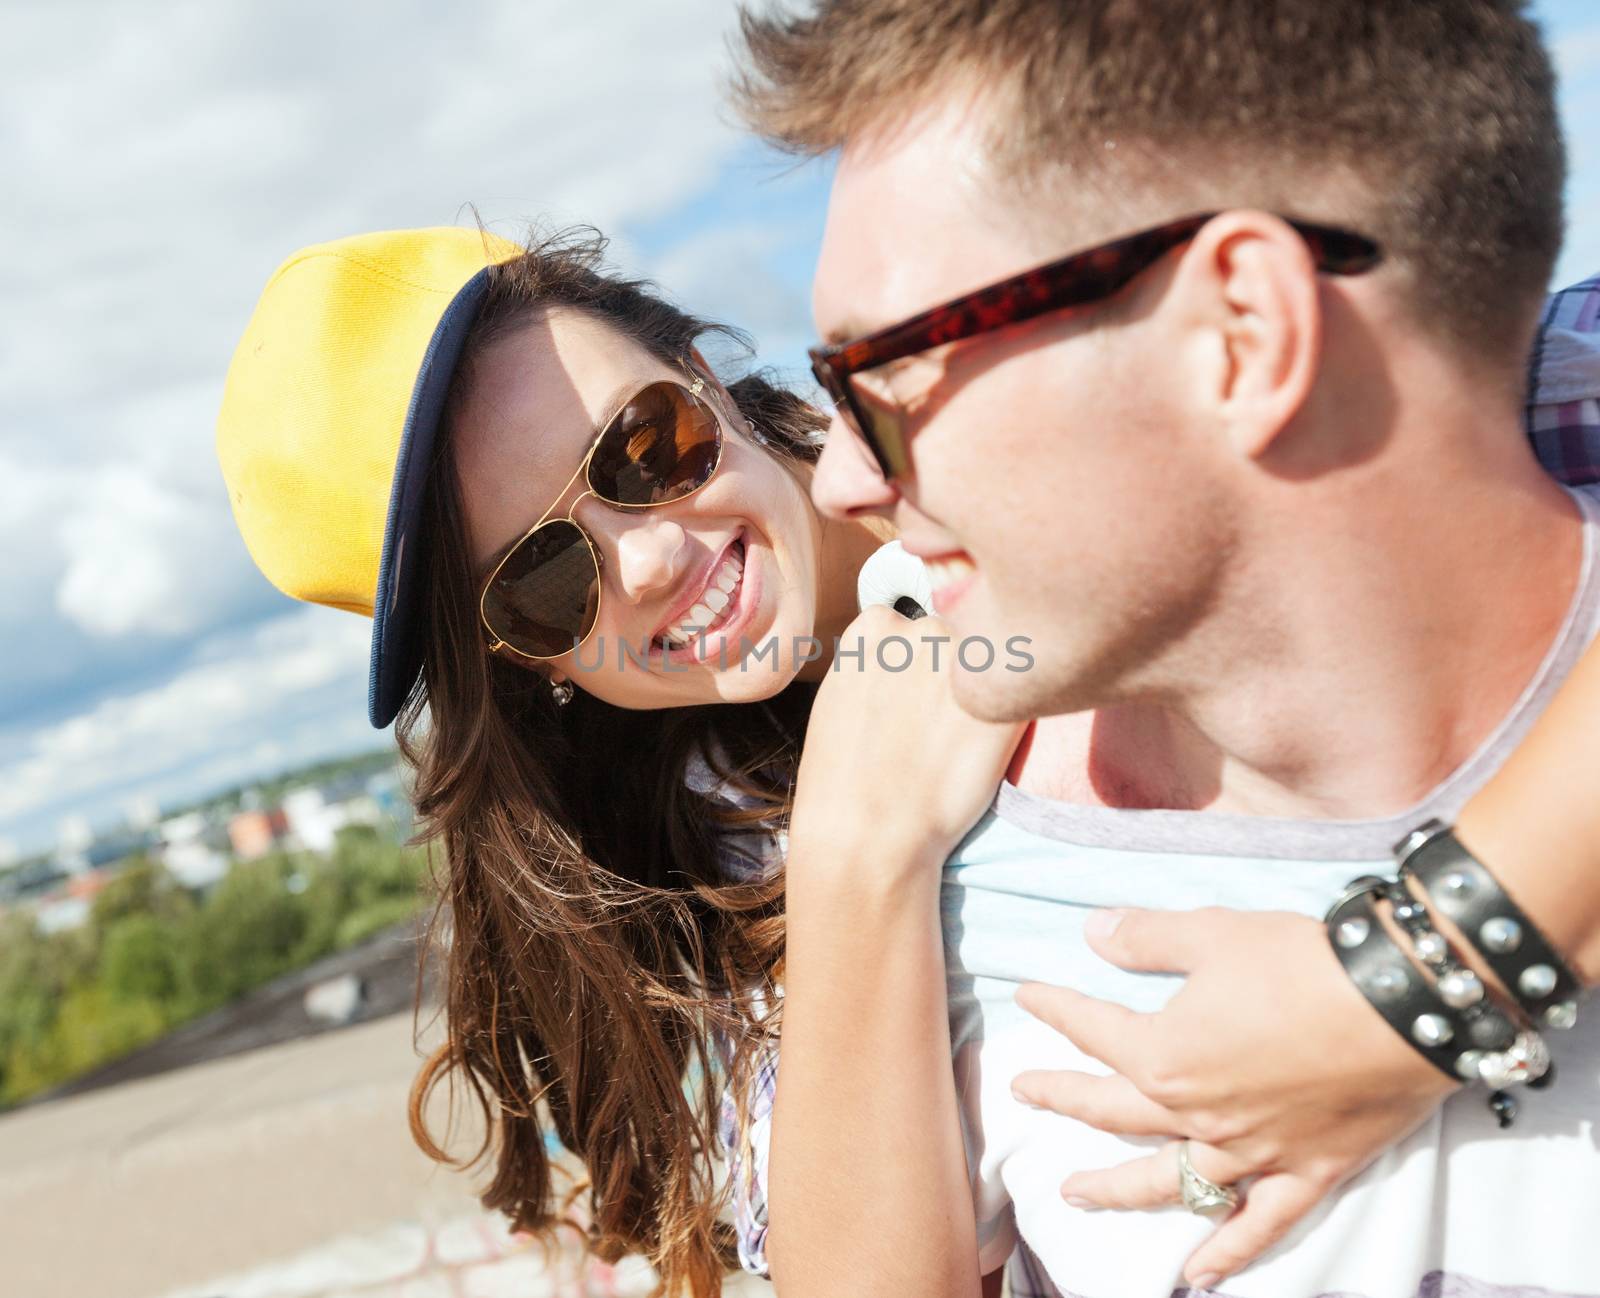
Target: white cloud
pixel 143 557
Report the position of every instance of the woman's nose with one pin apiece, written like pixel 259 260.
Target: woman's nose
pixel 651 552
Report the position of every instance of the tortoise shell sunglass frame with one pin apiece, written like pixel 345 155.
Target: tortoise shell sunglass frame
pixel 1079 280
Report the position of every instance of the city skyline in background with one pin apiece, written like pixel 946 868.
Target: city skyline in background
pixel 162 160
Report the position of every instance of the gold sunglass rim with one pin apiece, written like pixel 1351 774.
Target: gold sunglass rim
pixel 694 391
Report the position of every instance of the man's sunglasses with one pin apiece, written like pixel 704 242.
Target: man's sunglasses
pixel 1080 280
pixel 543 597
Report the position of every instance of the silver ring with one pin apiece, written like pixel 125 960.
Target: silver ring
pixel 1201 1195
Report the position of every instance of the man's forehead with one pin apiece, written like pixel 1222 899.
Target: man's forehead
pixel 913 218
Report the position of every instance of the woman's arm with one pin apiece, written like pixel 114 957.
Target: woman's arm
pixel 868 1185
pixel 869 1192
pixel 1537 823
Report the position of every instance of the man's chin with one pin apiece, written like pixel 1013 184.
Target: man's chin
pixel 994 695
pixel 1025 688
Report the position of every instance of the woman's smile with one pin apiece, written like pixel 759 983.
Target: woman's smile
pixel 723 608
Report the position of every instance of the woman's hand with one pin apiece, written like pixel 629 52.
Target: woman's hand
pixel 1268 1059
pixel 891 764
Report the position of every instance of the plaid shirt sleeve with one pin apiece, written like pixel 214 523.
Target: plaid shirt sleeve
pixel 744 857
pixel 746 1151
pixel 1564 385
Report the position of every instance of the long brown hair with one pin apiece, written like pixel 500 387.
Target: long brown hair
pixel 593 953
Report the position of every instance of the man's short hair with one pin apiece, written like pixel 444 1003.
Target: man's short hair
pixel 1441 113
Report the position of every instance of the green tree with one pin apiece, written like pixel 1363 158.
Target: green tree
pixel 142 887
pixel 141 959
pixel 28 1000
pixel 247 932
pixel 151 955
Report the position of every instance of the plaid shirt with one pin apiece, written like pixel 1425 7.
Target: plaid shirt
pixel 1564 385
pixel 1563 422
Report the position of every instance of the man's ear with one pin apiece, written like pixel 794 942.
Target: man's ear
pixel 1252 284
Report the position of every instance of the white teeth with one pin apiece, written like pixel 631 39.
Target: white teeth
pixel 942 572
pixel 718 595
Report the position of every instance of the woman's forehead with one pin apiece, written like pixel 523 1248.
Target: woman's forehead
pixel 536 399
pixel 559 374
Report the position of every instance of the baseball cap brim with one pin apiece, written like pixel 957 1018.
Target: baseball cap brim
pixel 397 617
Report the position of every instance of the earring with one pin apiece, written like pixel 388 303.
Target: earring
pixel 561 693
pixel 756 434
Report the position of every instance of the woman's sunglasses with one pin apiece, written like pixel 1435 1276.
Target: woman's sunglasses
pixel 543 597
pixel 1080 280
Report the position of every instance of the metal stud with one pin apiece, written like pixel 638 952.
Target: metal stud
pixel 1467 1064
pixel 1561 1015
pixel 1432 1030
pixel 1492 1031
pixel 1459 885
pixel 1353 932
pixel 1501 935
pixel 1385 985
pixel 1537 980
pixel 1430 947
pixel 1460 988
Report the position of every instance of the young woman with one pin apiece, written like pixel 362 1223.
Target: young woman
pixel 546 459
pixel 606 916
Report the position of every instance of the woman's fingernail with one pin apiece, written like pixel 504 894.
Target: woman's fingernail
pixel 1210 1280
pixel 1102 923
pixel 1022 1097
pixel 1078 1201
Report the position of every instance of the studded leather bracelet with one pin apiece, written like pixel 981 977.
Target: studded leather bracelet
pixel 1449 1019
pixel 1464 890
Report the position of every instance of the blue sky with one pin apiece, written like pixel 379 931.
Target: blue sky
pixel 163 158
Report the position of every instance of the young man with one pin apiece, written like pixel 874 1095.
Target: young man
pixel 1256 487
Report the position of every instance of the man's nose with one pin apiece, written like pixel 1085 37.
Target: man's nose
pixel 847 483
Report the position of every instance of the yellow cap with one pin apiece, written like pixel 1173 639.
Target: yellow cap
pixel 329 415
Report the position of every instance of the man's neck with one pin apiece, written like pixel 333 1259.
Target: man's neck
pixel 1357 688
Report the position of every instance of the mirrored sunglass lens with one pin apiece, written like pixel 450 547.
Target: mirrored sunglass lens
pixel 546 594
pixel 662 445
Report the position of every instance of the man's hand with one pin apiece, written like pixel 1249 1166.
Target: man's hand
pixel 1268 1060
